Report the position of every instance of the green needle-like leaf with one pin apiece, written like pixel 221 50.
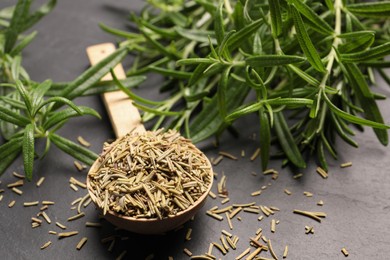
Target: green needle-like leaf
pixel 23 43
pixel 12 117
pixel 276 17
pixel 209 120
pixel 371 54
pixel 73 149
pixel 367 102
pixel 287 141
pixel 6 161
pixel 371 9
pixel 23 92
pixel 93 75
pixel 352 118
pixel 28 150
pixel 272 60
pixel 13 145
pixel 197 35
pixel 59 100
pixel 63 115
pixel 237 39
pixel 265 138
pixel 304 41
pixel 309 13
pixel 219 28
pixel 39 91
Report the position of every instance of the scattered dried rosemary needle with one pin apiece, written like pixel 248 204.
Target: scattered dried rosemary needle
pixel 151 175
pixel 67 234
pixel 344 251
pixel 48 243
pixel 83 142
pixel 81 243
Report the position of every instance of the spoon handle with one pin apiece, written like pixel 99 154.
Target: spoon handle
pixel 124 116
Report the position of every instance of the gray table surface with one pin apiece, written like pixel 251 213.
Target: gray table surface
pixel 356 199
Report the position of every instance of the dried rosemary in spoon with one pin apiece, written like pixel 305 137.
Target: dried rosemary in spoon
pixel 154 174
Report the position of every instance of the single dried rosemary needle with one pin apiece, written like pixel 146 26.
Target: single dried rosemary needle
pixel 48 243
pixel 67 234
pixel 81 243
pixel 345 252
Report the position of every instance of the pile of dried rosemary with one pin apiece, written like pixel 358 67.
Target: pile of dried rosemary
pixel 149 175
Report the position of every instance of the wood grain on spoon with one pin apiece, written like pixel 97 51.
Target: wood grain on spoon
pixel 123 114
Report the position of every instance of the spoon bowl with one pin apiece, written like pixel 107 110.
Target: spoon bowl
pixel 144 225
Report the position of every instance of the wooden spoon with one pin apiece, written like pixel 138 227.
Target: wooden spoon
pixel 124 118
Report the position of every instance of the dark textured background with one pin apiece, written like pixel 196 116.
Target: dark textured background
pixel 357 199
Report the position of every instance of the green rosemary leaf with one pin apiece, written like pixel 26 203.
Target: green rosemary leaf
pixel 321 155
pixel 276 17
pixel 352 118
pixel 38 92
pixel 7 12
pixel 329 4
pixel 208 120
pixel 272 60
pixel 221 92
pixel 305 76
pixel 197 74
pixel 73 149
pixel 120 33
pixel 208 6
pixel 241 36
pixel 370 54
pixel 244 110
pixel 16 24
pixel 292 102
pixel 6 161
pixel 167 33
pixel 10 116
pixel 130 94
pixel 370 9
pixel 337 126
pixel 58 100
pixel 38 14
pixel 265 138
pixel 376 63
pixel 13 102
pixel 11 146
pixel 86 80
pixel 100 87
pixel 309 13
pixel 356 34
pixel 156 110
pixel 197 96
pixel 238 15
pixel 222 48
pixel 219 28
pixel 197 35
pixel 367 101
pixel 171 73
pixel 28 150
pixel 60 116
pixel 23 43
pixel 329 146
pixel 384 76
pixel 287 141
pixel 360 43
pixel 158 46
pixel 194 61
pixel 304 41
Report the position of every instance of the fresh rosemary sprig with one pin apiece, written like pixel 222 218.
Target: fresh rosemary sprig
pixel 312 61
pixel 30 111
